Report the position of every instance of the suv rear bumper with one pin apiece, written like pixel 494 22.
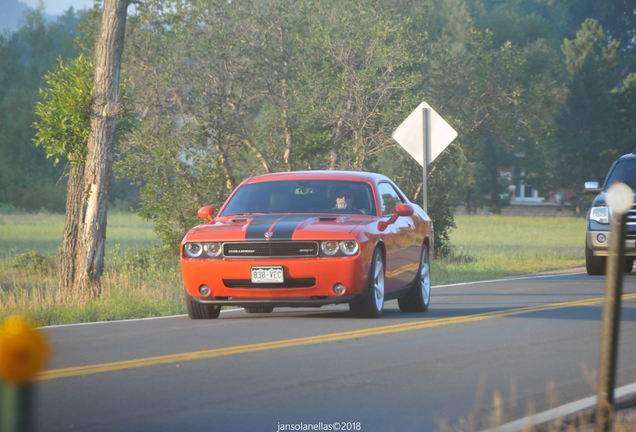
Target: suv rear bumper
pixel 602 249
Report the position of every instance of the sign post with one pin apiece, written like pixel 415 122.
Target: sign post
pixel 620 199
pixel 24 352
pixel 424 134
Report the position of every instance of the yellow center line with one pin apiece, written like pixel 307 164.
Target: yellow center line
pixel 175 358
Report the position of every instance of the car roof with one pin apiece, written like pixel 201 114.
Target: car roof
pixel 318 175
pixel 631 155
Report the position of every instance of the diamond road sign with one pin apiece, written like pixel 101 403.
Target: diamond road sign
pixel 410 134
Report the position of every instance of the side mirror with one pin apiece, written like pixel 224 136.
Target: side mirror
pixel 592 187
pixel 403 210
pixel 206 212
pixel 399 210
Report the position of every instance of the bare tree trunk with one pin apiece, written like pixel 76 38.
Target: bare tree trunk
pixel 289 138
pixel 334 153
pixel 246 138
pixel 230 183
pixel 100 152
pixel 494 190
pixel 68 254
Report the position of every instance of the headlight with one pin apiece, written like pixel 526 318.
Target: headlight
pixel 212 249
pixel 349 247
pixel 193 250
pixel 203 250
pixel 600 214
pixel 339 248
pixel 329 247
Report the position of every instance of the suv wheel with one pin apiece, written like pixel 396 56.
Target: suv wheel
pixel 629 264
pixel 595 265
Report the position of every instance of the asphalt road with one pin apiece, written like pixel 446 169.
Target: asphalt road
pixel 533 341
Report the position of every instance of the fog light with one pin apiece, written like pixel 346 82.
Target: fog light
pixel 204 290
pixel 339 289
pixel 601 238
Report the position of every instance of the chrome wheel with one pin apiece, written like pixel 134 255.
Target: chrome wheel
pixel 417 299
pixel 425 277
pixel 378 282
pixel 370 303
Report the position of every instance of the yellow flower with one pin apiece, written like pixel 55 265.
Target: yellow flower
pixel 24 351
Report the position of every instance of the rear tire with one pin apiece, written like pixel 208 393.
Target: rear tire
pixel 259 309
pixel 371 303
pixel 629 265
pixel 419 296
pixel 198 310
pixel 595 265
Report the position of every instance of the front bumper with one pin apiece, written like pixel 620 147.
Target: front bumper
pixel 602 249
pixel 221 275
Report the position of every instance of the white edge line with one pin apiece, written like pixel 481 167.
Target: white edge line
pixel 561 411
pixel 237 309
pixel 505 280
pixel 128 320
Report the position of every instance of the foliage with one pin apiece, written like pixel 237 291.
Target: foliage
pixel 27 179
pixel 234 90
pixel 64 111
pixel 589 134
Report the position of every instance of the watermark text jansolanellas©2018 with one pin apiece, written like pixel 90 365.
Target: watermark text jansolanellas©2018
pixel 320 426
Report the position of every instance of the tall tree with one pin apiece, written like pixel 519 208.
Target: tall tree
pixel 89 262
pixel 588 135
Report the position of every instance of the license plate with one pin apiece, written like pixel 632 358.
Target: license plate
pixel 267 275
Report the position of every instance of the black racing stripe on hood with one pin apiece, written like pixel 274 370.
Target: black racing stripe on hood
pixel 259 226
pixel 284 228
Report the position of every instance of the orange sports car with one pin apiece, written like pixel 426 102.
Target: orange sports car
pixel 308 239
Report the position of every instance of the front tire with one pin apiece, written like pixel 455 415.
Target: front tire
pixel 595 265
pixel 419 296
pixel 371 303
pixel 629 264
pixel 198 310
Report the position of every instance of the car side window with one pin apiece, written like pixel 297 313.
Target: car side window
pixel 389 198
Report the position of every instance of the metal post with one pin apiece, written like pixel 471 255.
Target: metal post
pixel 15 407
pixel 611 319
pixel 426 143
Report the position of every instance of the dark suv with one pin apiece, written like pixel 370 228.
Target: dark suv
pixel 598 217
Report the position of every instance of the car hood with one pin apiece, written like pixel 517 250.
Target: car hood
pixel 599 200
pixel 279 228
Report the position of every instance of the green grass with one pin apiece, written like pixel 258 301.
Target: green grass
pixel 143 279
pixel 489 247
pixel 21 233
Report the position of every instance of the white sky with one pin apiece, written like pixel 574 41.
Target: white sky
pixel 56 7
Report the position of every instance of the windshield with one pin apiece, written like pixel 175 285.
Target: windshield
pixel 624 171
pixel 302 196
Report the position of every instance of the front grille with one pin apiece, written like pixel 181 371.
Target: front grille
pixel 631 215
pixel 270 249
pixel 289 283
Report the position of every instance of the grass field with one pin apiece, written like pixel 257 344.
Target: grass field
pixel 143 279
pixel 21 233
pixel 489 247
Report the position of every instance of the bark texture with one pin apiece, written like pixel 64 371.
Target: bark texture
pixel 100 152
pixel 68 254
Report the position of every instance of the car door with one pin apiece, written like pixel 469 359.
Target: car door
pixel 402 255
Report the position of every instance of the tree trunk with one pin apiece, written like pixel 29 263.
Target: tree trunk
pixel 68 254
pixel 289 137
pixel 100 152
pixel 494 190
pixel 334 153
